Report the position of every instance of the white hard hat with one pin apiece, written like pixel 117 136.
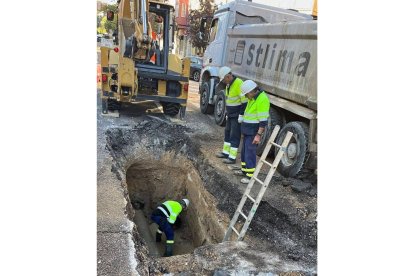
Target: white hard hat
pixel 247 86
pixel 223 72
pixel 186 202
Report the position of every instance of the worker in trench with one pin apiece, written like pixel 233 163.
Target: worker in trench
pixel 235 105
pixel 253 125
pixel 166 215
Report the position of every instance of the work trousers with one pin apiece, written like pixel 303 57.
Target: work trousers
pixel 232 134
pixel 164 226
pixel 248 155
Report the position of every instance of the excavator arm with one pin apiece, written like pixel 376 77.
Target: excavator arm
pixel 134 29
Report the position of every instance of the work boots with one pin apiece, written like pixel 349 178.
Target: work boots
pixel 168 250
pixel 221 155
pixel 229 161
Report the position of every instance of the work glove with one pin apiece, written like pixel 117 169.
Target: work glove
pixel 240 119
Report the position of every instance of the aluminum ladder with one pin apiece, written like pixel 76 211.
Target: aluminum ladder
pixel 255 179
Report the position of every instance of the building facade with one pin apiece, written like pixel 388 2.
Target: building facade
pixel 183 46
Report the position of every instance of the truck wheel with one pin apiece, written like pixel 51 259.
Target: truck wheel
pixel 275 118
pixel 205 107
pixel 220 109
pixel 171 109
pixel 293 161
pixel 196 76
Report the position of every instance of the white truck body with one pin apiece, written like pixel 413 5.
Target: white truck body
pixel 302 6
pixel 277 49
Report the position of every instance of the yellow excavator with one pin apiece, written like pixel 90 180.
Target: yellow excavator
pixel 139 65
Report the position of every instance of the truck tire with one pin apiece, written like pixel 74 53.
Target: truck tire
pixel 196 76
pixel 205 107
pixel 220 109
pixel 275 118
pixel 171 109
pixel 293 161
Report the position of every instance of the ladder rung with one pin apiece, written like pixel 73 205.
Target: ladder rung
pixel 243 215
pixel 258 180
pixel 267 163
pixel 276 145
pixel 234 229
pixel 252 199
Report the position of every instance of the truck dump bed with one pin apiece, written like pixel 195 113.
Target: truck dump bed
pixel 280 57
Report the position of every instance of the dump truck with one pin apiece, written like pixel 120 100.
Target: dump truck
pixel 140 66
pixel 276 48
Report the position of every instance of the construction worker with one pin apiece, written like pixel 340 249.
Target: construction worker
pixel 253 125
pixel 152 53
pixel 165 216
pixel 235 105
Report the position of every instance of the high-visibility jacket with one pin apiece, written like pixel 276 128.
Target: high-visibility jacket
pixel 171 210
pixel 256 114
pixel 235 102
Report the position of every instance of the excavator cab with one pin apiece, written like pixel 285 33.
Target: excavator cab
pixel 157 50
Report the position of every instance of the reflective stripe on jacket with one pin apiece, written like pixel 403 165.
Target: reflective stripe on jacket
pixel 256 114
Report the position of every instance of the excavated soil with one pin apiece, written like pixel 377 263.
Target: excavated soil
pixel 156 161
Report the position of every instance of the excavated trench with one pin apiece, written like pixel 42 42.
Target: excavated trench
pixel 151 182
pixel 156 161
